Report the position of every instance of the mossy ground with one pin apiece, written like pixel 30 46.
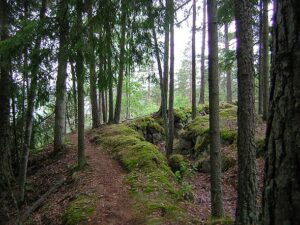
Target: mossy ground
pixel 220 221
pixel 151 182
pixel 79 210
pixel 146 122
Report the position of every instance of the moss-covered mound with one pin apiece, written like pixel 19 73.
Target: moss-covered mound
pixel 150 180
pixel 197 131
pixel 149 128
pixel 79 210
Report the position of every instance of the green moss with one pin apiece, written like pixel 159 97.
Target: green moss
pixel 228 135
pixel 220 221
pixel 181 115
pixel 225 105
pixel 79 210
pixel 149 178
pixel 228 113
pixel 198 126
pixel 145 123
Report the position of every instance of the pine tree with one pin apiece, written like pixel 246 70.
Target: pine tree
pixel 281 202
pixel 214 129
pixel 246 202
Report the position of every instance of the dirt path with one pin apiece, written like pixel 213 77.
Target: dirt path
pixel 105 178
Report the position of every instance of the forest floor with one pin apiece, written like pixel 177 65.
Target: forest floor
pixel 103 177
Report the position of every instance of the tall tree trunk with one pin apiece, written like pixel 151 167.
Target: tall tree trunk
pixel 93 77
pixel 260 99
pixel 166 53
pixel 74 90
pixel 265 59
pixel 246 188
pixel 228 70
pixel 194 104
pixel 60 103
pixel 163 104
pixel 80 85
pixel 35 62
pixel 121 64
pixel 104 110
pixel 127 92
pixel 5 160
pixel 109 74
pixel 100 106
pixel 214 129
pixel 202 82
pixel 281 202
pixel 171 88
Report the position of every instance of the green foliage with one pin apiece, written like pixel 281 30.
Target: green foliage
pixel 185 192
pixel 225 11
pixel 177 163
pixel 79 210
pixel 20 39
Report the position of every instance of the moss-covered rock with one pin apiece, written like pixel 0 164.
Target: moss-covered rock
pixel 197 131
pixel 149 128
pixel 79 210
pixel 203 163
pixel 150 180
pixel 182 114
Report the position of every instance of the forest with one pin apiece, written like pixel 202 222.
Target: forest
pixel 150 112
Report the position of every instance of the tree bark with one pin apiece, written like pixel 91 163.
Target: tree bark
pixel 109 75
pixel 246 188
pixel 228 71
pixel 121 64
pixel 163 104
pixel 104 110
pixel 93 77
pixel 60 103
pixel 74 90
pixel 194 104
pixel 80 85
pixel 265 59
pixel 35 62
pixel 202 82
pixel 100 107
pixel 127 92
pixel 170 8
pixel 281 202
pixel 166 53
pixel 5 159
pixel 213 81
pixel 260 99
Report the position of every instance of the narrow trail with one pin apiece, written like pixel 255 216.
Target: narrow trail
pixel 105 178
